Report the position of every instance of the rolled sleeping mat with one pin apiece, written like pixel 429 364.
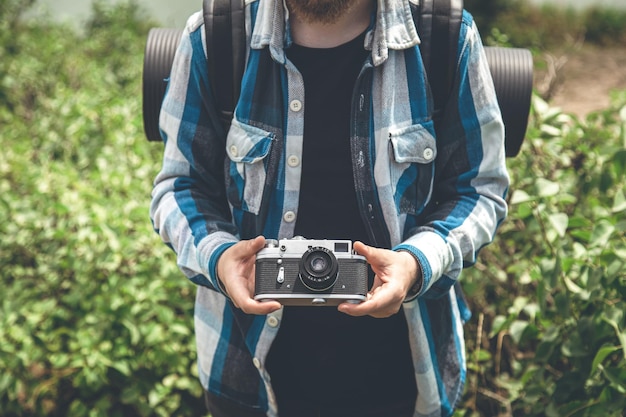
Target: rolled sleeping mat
pixel 512 73
pixel 511 69
pixel 157 64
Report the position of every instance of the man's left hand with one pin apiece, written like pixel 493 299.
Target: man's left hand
pixel 395 273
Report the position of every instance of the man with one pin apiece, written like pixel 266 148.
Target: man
pixel 333 138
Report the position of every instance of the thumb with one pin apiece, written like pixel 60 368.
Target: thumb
pixel 250 247
pixel 256 244
pixel 373 255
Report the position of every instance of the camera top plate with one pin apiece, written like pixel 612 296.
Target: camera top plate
pixel 297 246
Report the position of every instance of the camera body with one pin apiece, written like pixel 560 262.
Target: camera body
pixel 303 272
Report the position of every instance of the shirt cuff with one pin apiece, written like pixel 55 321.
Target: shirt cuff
pixel 215 280
pixel 416 288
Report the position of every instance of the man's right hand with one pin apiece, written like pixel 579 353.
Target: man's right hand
pixel 236 269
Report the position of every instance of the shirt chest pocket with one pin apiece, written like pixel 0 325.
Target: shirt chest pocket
pixel 412 151
pixel 247 148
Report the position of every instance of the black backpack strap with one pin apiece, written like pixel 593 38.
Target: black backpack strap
pixel 224 24
pixel 439 23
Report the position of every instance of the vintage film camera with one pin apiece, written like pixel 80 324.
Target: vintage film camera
pixel 302 272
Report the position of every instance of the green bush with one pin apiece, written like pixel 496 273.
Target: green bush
pixel 548 26
pixel 605 26
pixel 550 335
pixel 95 319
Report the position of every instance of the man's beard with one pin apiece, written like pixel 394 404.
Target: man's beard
pixel 319 11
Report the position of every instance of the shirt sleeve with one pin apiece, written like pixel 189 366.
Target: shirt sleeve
pixel 189 209
pixel 471 181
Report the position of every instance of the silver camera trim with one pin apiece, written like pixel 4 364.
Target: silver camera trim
pixel 312 299
pixel 297 246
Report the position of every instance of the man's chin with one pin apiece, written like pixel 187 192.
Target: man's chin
pixel 319 11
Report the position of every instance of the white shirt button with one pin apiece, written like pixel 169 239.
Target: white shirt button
pixel 428 154
pixel 293 161
pixel 233 150
pixel 256 362
pixel 272 321
pixel 289 216
pixel 295 105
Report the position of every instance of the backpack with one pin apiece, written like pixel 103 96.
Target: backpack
pixel 438 23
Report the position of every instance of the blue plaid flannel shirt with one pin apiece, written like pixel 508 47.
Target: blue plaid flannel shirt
pixel 438 194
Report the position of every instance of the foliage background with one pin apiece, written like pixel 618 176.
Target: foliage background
pixel 95 319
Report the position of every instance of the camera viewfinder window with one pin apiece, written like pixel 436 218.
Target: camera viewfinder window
pixel 341 247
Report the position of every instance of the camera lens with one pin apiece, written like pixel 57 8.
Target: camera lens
pixel 318 264
pixel 318 269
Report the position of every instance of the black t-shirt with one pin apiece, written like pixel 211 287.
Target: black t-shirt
pixel 321 358
pixel 328 206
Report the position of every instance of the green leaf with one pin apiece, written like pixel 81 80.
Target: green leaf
pixel 546 188
pixel 499 322
pixel 516 330
pixel 549 130
pixel 524 210
pixel 575 288
pixel 619 202
pixel 619 163
pixel 580 234
pixel 601 355
pixel 614 316
pixel 559 222
pixel 616 377
pixel 601 233
pixel 123 367
pixel 544 350
pixel 520 196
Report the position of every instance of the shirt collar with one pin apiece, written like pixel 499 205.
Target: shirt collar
pixel 393 29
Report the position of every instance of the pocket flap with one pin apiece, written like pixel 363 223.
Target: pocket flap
pixel 414 144
pixel 247 144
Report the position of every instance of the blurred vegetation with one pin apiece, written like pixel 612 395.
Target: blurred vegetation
pixel 548 26
pixel 548 336
pixel 95 319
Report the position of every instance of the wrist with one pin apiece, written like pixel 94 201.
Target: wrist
pixel 221 287
pixel 417 278
pixel 216 271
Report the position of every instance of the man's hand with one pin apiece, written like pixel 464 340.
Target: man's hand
pixel 236 268
pixel 395 273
